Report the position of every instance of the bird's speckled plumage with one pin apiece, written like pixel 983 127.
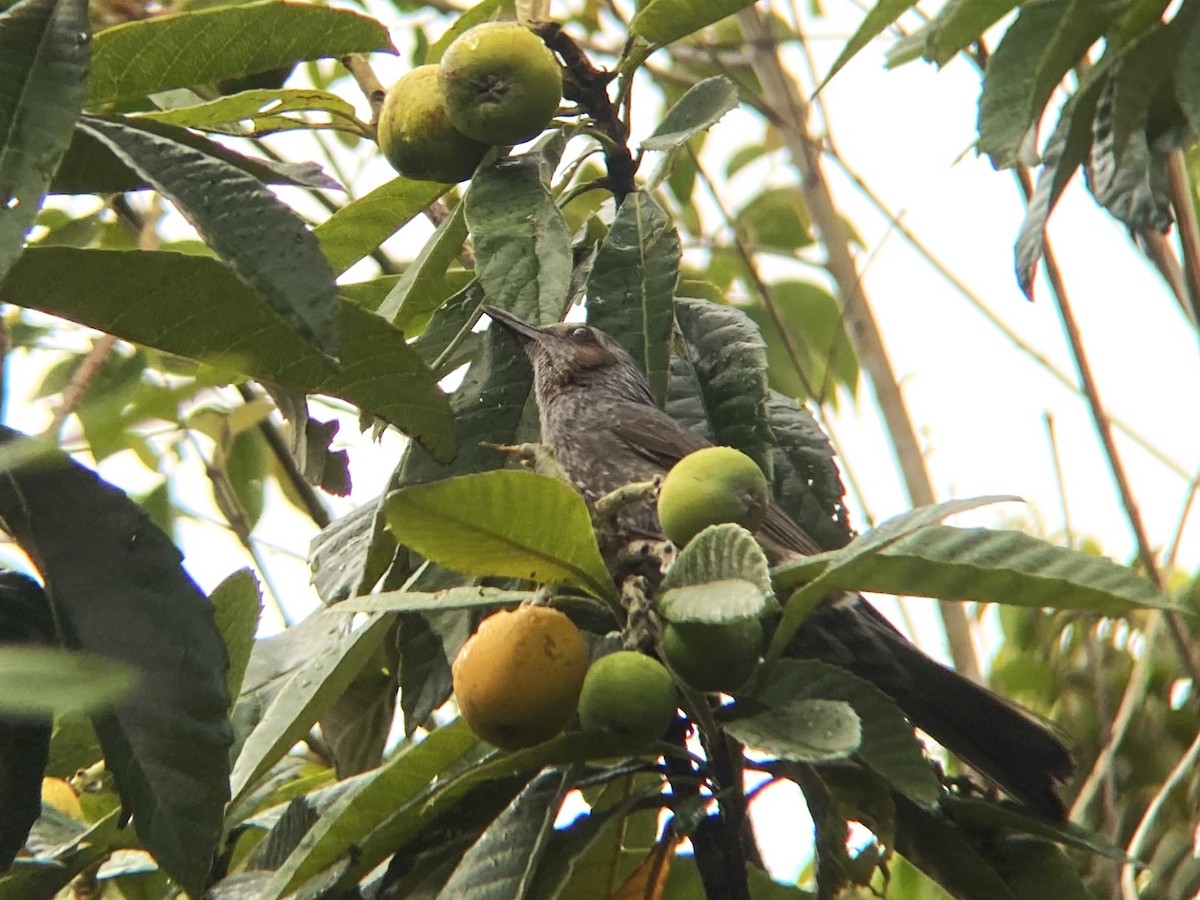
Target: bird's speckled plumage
pixel 598 415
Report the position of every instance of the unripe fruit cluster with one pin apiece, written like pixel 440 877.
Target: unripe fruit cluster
pixel 497 84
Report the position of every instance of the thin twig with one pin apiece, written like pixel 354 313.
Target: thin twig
pixel 364 76
pixel 780 93
pixel 1103 427
pixel 81 381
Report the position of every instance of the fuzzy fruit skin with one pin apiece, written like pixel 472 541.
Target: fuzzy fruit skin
pixel 517 680
pixel 716 657
pixel 416 135
pixel 629 694
pixel 708 487
pixel 501 84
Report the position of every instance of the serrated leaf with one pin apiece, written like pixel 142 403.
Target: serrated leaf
pixel 664 21
pixel 49 680
pixel 805 478
pixel 468 597
pixel 1136 125
pixel 359 227
pixel 725 563
pixel 44 51
pixel 504 523
pixel 696 111
pixel 1000 567
pixel 254 112
pixel 154 298
pixel 522 247
pixel 316 684
pixel 883 14
pixel 262 239
pixel 1066 150
pixel 374 799
pixel 207 45
pixel 632 283
pixel 237 608
pixel 728 358
pixel 1038 49
pixel 888 746
pixel 802 730
pixel 724 600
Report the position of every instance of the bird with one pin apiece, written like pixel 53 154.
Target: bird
pixel 597 414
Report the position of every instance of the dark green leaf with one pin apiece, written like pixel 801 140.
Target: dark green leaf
pixel 632 283
pixel 1031 866
pixel 949 856
pixel 806 481
pixel 504 523
pixel 44 51
pixel 802 730
pixel 263 240
pixel 502 862
pixel 119 590
pixel 698 110
pixel 664 21
pixel 727 354
pixel 1066 150
pixel 152 298
pixel 1137 124
pixel 206 45
pixel 358 228
pixel 1038 49
pixel 351 554
pixel 90 167
pixel 522 248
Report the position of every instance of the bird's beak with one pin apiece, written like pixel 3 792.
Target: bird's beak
pixel 512 324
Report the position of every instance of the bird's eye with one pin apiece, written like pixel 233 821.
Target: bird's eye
pixel 582 334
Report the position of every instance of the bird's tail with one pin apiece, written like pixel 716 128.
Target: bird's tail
pixel 1005 743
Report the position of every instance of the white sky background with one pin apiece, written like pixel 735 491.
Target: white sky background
pixel 977 402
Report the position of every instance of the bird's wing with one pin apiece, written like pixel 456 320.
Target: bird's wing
pixel 663 441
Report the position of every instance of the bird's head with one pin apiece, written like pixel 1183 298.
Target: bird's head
pixel 568 355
